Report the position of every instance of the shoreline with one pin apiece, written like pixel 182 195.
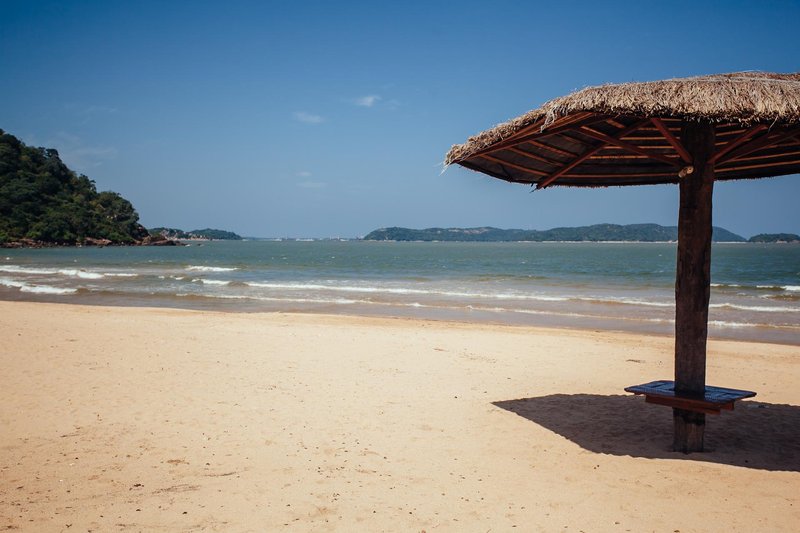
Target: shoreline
pixel 27 244
pixel 758 333
pixel 156 418
pixel 602 286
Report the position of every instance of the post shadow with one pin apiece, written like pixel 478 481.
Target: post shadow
pixel 754 435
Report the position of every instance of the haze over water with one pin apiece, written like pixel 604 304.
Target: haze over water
pixel 620 286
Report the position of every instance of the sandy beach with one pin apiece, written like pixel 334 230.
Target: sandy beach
pixel 133 419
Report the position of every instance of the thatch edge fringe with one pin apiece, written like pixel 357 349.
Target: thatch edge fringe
pixel 741 97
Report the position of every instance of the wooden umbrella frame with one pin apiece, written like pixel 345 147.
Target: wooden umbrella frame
pixel 597 149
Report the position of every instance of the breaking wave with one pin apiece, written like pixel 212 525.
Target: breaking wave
pixel 203 268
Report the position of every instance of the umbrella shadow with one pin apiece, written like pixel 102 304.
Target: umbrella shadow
pixel 755 435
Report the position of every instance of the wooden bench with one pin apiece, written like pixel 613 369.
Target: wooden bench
pixel 711 402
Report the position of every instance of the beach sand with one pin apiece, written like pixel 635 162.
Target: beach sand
pixel 130 419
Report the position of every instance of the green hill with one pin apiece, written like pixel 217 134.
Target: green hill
pixel 208 233
pixel 218 234
pixel 597 232
pixel 44 201
pixel 775 237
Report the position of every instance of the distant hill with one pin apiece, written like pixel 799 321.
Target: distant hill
pixel 43 202
pixel 775 237
pixel 208 233
pixel 597 232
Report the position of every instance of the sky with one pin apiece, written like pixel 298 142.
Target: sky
pixel 331 119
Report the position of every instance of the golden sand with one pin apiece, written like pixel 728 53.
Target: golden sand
pixel 167 420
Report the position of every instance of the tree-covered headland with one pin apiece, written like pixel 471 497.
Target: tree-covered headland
pixel 42 200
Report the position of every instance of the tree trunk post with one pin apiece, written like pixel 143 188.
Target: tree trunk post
pixel 693 282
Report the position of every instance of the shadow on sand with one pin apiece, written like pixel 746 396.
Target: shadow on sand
pixel 755 435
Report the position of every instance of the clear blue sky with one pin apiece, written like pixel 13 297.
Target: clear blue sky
pixel 332 118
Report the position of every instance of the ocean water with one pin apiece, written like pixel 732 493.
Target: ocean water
pixel 618 286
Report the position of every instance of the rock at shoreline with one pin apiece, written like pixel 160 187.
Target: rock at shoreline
pixel 159 240
pixel 89 241
pixel 26 243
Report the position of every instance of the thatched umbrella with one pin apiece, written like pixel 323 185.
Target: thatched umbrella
pixel 690 131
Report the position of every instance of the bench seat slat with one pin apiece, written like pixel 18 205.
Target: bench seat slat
pixel 714 399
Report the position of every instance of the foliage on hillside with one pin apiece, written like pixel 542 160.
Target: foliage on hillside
pixel 775 237
pixel 208 233
pixel 43 200
pixel 598 232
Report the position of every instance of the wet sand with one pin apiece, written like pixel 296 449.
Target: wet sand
pixel 133 419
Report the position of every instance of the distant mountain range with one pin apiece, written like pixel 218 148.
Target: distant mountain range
pixel 595 233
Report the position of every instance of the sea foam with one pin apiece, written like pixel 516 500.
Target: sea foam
pixel 16 269
pixel 203 268
pixel 757 308
pixel 69 272
pixel 47 289
pixel 213 282
pixel 35 289
pixel 82 274
pixel 404 291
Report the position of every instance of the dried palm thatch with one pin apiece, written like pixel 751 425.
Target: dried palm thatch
pixel 629 134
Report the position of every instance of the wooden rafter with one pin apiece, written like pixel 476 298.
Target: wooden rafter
pixel 581 119
pixel 583 157
pixel 671 139
pixel 615 123
pixel 562 122
pixel 795 162
pixel 757 144
pixel 740 140
pixel 722 135
pixel 553 149
pixel 589 132
pixel 618 156
pixel 586 118
pixel 622 176
pixel 535 157
pixel 531 129
pixel 649 138
pixel 751 157
pixel 512 165
pixel 498 175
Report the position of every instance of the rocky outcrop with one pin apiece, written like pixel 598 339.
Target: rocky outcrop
pixel 159 240
pixel 151 240
pixel 89 241
pixel 26 243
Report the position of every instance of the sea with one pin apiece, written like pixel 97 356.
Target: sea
pixel 755 292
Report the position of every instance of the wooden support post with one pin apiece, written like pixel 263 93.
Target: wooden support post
pixel 693 282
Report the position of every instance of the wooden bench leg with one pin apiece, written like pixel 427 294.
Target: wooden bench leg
pixel 689 431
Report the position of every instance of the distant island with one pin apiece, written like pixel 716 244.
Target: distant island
pixel 205 234
pixel 595 233
pixel 775 237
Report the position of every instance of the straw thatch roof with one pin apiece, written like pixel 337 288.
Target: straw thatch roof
pixel 629 134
